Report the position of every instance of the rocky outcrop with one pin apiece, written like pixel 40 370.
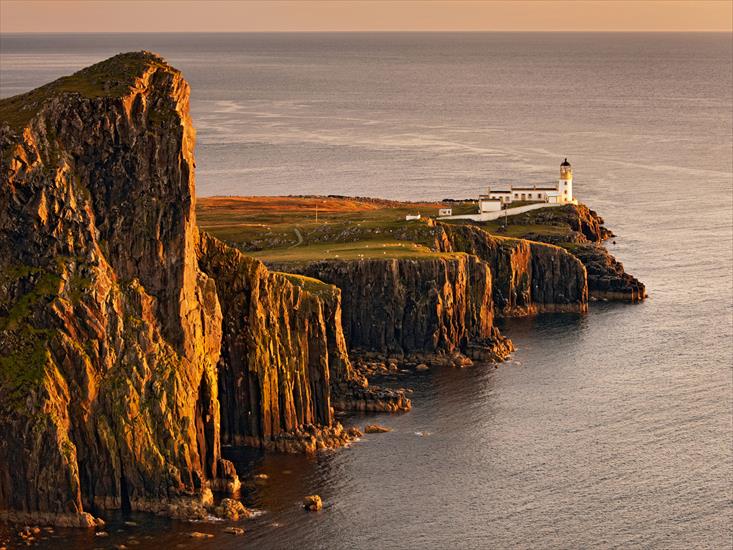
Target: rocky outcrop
pixel 528 277
pixel 582 223
pixel 400 307
pixel 607 279
pixel 109 331
pixel 582 233
pixel 283 354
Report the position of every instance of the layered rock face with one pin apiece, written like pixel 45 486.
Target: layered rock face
pixel 607 278
pixel 283 355
pixel 528 277
pixel 399 307
pixel 583 224
pixel 109 331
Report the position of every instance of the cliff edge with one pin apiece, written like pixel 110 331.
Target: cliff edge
pixel 124 333
pixel 110 332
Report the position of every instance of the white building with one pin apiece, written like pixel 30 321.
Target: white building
pixel 561 193
pixel 487 203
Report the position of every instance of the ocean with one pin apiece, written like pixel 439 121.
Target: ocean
pixel 605 430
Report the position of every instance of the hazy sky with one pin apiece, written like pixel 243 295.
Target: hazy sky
pixel 376 15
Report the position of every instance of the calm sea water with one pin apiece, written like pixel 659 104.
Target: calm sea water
pixel 607 430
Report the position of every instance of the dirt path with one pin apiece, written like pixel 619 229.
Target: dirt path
pixel 300 237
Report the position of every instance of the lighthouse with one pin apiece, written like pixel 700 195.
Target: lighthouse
pixel 565 185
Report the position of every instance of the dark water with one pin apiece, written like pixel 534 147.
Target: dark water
pixel 611 429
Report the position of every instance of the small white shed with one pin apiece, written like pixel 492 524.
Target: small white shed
pixel 487 204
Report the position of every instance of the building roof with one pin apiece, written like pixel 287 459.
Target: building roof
pixel 500 191
pixel 487 198
pixel 535 188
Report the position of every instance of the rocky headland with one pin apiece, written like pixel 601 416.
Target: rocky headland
pixel 133 344
pixel 116 338
pixel 580 231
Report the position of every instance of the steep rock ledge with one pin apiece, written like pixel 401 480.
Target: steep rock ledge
pixel 283 354
pixel 403 307
pixel 528 277
pixel 607 279
pixel 109 332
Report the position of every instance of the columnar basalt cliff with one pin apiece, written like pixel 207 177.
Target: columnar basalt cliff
pixel 109 332
pixel 529 277
pixel 400 307
pixel 584 238
pixel 283 356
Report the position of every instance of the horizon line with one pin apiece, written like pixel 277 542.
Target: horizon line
pixel 413 31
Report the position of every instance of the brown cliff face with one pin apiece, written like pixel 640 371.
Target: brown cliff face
pixel 109 332
pixel 528 277
pixel 584 224
pixel 607 279
pixel 400 307
pixel 283 353
pixel 584 238
pixel 274 371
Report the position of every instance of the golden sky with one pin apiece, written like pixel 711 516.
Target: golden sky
pixel 363 15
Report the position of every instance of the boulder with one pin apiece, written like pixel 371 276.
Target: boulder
pixel 376 429
pixel 200 535
pixel 313 503
pixel 232 509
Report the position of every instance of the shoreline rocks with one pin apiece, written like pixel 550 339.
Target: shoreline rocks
pixel 227 480
pixel 83 520
pixel 313 503
pixel 307 439
pixel 232 510
pixel 351 396
pixel 376 429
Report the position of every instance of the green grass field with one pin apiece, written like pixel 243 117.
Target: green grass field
pixel 288 227
pixel 295 229
pixel 496 227
pixel 358 250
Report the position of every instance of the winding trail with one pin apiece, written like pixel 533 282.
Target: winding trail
pixel 300 237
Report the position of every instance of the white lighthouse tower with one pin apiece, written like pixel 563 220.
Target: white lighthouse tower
pixel 565 184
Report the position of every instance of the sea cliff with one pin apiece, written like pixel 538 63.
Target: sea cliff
pixel 116 338
pixel 110 332
pixel 402 307
pixel 283 356
pixel 581 231
pixel 529 277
